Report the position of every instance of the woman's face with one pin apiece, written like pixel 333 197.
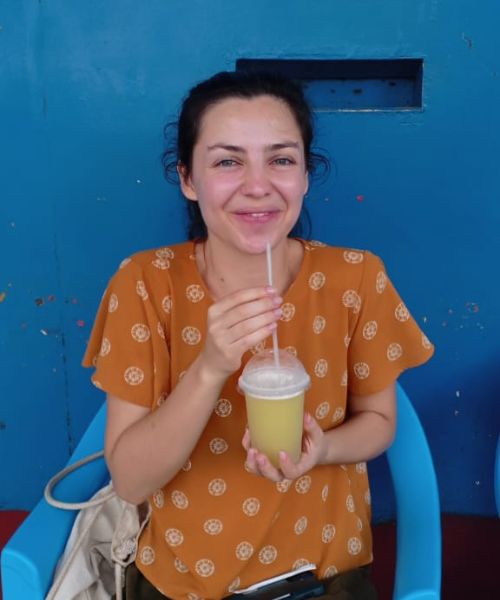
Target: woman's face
pixel 248 173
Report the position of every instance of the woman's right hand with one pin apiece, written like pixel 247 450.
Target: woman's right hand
pixel 235 324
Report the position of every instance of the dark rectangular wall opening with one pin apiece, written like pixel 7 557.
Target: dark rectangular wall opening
pixel 350 84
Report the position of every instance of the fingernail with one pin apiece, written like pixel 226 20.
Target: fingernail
pixel 270 290
pixel 277 300
pixel 272 326
pixel 278 312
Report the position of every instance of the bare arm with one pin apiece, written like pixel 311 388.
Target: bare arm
pixel 367 431
pixel 145 450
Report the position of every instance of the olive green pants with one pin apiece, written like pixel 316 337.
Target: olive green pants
pixel 352 585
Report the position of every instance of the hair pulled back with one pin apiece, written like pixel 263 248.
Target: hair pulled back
pixel 222 86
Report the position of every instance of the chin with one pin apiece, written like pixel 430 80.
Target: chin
pixel 254 246
pixel 257 244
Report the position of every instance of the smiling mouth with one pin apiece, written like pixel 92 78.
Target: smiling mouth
pixel 257 216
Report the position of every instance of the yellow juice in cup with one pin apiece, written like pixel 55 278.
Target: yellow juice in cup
pixel 274 392
pixel 276 424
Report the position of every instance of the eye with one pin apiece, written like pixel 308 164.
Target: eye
pixel 283 161
pixel 226 162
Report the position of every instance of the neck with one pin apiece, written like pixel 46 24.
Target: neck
pixel 226 271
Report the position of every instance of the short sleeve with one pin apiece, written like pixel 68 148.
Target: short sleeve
pixel 128 340
pixel 385 340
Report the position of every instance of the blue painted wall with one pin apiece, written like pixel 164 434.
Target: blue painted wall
pixel 85 90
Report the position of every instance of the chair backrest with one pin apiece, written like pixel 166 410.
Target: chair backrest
pixel 418 560
pixel 496 476
pixel 29 558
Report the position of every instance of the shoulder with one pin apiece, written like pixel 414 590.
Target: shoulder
pixel 161 258
pixel 155 271
pixel 342 264
pixel 154 262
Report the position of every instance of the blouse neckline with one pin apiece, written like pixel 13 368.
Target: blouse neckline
pixel 290 292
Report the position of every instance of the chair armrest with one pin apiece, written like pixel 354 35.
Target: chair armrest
pixel 418 548
pixel 29 558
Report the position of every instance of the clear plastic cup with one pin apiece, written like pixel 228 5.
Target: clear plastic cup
pixel 275 403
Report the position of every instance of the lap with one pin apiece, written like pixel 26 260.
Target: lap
pixel 351 585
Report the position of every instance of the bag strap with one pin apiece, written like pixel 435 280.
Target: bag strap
pixel 53 481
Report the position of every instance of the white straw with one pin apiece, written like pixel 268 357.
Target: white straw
pixel 270 283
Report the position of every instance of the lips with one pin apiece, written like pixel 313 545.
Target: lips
pixel 254 216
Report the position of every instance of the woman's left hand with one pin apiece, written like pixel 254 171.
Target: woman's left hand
pixel 313 441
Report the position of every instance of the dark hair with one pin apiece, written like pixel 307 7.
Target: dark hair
pixel 224 85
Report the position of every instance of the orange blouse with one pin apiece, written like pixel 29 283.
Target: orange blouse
pixel 215 527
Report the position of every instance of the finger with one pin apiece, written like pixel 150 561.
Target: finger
pixel 240 297
pixel 313 433
pixel 293 470
pixel 244 313
pixel 250 341
pixel 245 442
pixel 251 461
pixel 247 327
pixel 244 319
pixel 290 469
pixel 221 342
pixel 266 469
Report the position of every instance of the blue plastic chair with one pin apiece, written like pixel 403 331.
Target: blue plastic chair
pixel 29 558
pixel 496 476
pixel 418 519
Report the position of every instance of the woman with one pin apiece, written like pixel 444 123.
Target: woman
pixel 178 323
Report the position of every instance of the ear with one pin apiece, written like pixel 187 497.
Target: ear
pixel 186 182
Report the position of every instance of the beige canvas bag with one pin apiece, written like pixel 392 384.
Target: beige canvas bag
pixel 102 542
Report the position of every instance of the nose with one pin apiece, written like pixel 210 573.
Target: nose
pixel 256 181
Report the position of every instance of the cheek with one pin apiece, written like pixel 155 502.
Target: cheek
pixel 295 188
pixel 217 190
pixel 211 199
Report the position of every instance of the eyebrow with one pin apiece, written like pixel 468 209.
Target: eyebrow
pixel 271 147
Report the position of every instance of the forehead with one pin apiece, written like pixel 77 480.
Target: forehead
pixel 262 114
